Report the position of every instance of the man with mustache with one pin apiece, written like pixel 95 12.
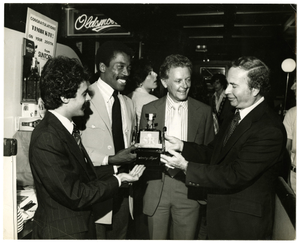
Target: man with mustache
pixel 67 185
pixel 110 148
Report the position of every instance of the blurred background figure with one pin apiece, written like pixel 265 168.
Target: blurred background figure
pixel 290 124
pixel 199 90
pixel 145 81
pixel 219 102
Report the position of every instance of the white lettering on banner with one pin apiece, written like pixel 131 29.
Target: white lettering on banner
pixel 96 25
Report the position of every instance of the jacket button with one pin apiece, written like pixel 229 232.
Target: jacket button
pixel 109 147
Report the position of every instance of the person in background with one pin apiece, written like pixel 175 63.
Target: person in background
pixel 219 102
pixel 168 199
pixel 108 133
pixel 145 80
pixel 144 77
pixel 240 167
pixel 67 185
pixel 290 124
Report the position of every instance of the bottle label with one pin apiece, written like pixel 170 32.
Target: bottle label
pixel 150 139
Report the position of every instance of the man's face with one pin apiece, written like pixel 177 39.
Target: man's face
pixel 77 105
pixel 117 72
pixel 238 92
pixel 178 83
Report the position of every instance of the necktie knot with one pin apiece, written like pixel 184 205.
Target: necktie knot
pixel 237 116
pixel 233 125
pixel 115 94
pixel 76 134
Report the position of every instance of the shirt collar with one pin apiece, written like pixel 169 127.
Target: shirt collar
pixel 65 121
pixel 105 89
pixel 172 103
pixel 244 112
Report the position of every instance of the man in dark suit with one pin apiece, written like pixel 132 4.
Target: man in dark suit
pixel 238 171
pixel 168 199
pixel 66 183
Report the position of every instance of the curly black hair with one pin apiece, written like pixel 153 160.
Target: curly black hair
pixel 173 61
pixel 258 73
pixel 61 77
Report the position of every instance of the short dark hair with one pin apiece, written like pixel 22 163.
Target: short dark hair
pixel 258 73
pixel 107 51
pixel 61 77
pixel 173 61
pixel 140 70
pixel 221 78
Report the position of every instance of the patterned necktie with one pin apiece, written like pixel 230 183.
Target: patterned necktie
pixel 117 129
pixel 234 123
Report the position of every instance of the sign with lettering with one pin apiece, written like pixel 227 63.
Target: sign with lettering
pixel 87 23
pixel 43 32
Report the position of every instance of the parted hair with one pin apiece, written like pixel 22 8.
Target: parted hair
pixel 258 73
pixel 61 77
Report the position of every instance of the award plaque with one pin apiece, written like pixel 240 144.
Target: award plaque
pixel 150 143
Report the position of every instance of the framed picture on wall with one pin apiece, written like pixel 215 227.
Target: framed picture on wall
pixel 208 72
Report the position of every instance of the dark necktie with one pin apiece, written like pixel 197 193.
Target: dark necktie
pixel 77 137
pixel 117 129
pixel 234 123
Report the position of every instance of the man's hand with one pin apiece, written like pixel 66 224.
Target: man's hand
pixel 173 143
pixel 124 156
pixel 133 175
pixel 177 160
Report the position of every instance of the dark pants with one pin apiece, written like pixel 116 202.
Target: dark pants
pixel 118 228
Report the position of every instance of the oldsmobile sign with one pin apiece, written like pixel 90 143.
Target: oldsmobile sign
pixel 84 24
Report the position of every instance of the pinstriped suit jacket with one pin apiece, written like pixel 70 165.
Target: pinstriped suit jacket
pixel 66 186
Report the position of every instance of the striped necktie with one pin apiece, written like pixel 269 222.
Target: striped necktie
pixel 234 123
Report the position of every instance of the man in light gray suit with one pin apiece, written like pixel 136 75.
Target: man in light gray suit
pixel 102 141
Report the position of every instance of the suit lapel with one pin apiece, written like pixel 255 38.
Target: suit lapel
pixel 68 139
pixel 160 107
pixel 99 106
pixel 194 117
pixel 244 126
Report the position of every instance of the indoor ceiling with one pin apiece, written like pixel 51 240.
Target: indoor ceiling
pixel 218 30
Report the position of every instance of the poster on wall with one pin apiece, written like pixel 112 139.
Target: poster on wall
pixel 43 32
pixel 39 45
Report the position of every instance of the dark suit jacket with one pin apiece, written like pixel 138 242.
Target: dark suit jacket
pixel 240 177
pixel 200 131
pixel 66 186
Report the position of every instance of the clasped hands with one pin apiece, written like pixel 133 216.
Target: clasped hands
pixel 174 146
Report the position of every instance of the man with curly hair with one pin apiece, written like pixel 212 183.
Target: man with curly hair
pixel 67 185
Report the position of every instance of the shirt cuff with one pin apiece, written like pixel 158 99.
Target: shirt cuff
pixel 119 180
pixel 105 160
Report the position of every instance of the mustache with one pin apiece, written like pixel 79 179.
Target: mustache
pixel 122 77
